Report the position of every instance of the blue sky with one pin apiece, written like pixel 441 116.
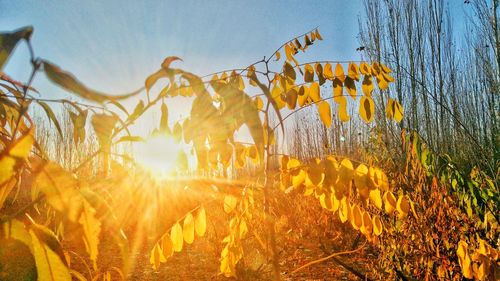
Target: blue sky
pixel 113 45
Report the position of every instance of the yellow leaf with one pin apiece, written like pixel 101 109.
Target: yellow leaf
pixel 402 206
pixel 353 71
pixel 91 230
pixel 328 72
pixel 343 115
pixel 375 68
pixel 277 93
pixel 156 257
pixel 361 176
pixel 389 202
pixel 346 171
pixel 308 73
pixel 344 210
pixel 22 147
pixel 351 87
pixel 325 113
pixel 365 69
pixel 243 228
pixel 382 83
pixel 367 86
pixel 188 228
pixel 318 36
pixel 278 55
pixel 291 98
pixel 229 203
pixel 314 92
pixel 356 217
pixel 315 175
pixel 200 224
pixel 49 265
pixel 303 95
pixel 377 225
pixel 385 69
pixel 299 178
pixel 366 109
pixel 7 164
pixel 338 95
pixel 331 167
pixel 388 108
pixel 397 111
pixel 177 237
pixel 367 226
pixel 376 198
pixel 289 71
pixel 339 72
pixel 167 246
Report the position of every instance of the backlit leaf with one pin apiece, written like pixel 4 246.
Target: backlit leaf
pixel 9 40
pixel 52 117
pixel 377 226
pixel 167 246
pixel 49 265
pixel 351 87
pixel 200 223
pixel 91 229
pixel 366 109
pixel 67 81
pixel 339 72
pixel 156 256
pixel 389 202
pixel 308 73
pixel 367 86
pixel 328 72
pixel 188 229
pixel 229 203
pixel 177 237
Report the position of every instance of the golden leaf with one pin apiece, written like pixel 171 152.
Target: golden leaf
pixel 389 202
pixel 177 237
pixel 200 223
pixel 377 225
pixel 229 203
pixel 351 87
pixel 344 210
pixel 367 86
pixel 325 113
pixel 356 217
pixel 353 71
pixel 343 115
pixel 339 72
pixel 328 72
pixel 167 246
pixel 402 206
pixel 156 257
pixel 308 73
pixel 314 92
pixel 188 228
pixel 365 69
pixel 376 198
pixel 49 265
pixel 366 109
pixel 367 226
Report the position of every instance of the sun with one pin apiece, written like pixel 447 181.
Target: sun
pixel 159 154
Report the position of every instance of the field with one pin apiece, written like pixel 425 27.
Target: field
pixel 293 167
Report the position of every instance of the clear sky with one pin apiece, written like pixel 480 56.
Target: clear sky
pixel 113 45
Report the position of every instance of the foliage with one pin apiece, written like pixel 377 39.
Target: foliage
pixel 387 209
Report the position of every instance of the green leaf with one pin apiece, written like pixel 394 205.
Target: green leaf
pixel 8 42
pixel 49 265
pixel 69 82
pixel 52 117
